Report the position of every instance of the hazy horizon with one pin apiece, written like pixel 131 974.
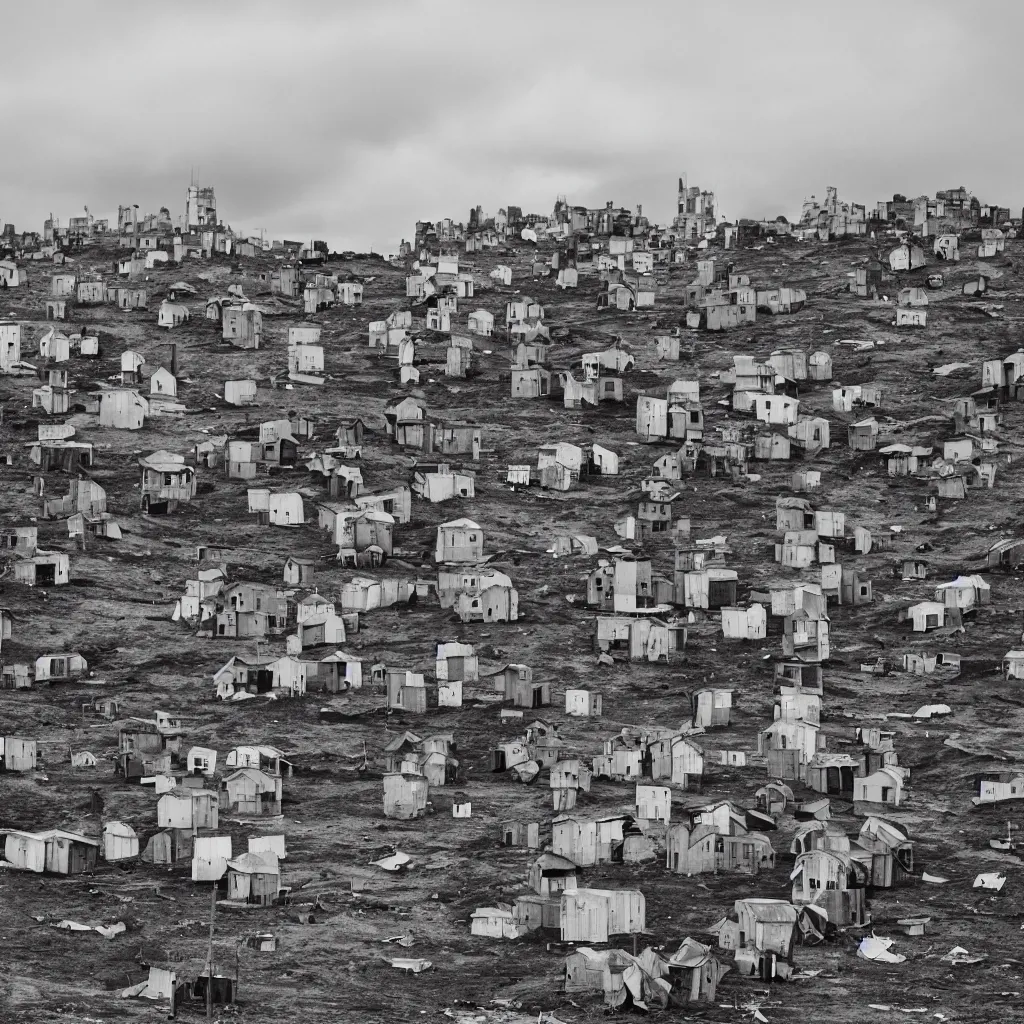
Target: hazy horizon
pixel 349 123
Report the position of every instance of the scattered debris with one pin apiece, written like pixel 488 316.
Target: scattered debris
pixel 873 947
pixel 107 931
pixel 990 880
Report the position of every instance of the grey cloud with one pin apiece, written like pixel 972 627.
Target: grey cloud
pixel 349 121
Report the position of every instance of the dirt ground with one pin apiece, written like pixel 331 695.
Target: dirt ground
pixel 117 612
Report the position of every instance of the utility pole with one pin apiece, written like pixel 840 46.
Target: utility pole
pixel 209 955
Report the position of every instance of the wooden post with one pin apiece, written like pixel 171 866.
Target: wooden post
pixel 209 955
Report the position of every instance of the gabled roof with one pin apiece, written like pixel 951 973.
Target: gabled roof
pixel 775 785
pixel 553 862
pixel 163 461
pixel 964 582
pixel 493 578
pixel 401 740
pixel 255 864
pixel 247 661
pixel 696 833
pixel 189 794
pixel 340 657
pixel 904 449
pixel 883 830
pixel 118 828
pixel 597 957
pixel 819 853
pixel 492 912
pixel 681 739
pixel 454 649
pixel 709 808
pixel 891 772
pixel 691 954
pixel 823 759
pixel 51 833
pixel 769 910
pixel 248 771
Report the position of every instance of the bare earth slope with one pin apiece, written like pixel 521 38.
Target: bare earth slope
pixel 117 612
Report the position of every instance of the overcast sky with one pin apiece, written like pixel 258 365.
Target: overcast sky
pixel 349 122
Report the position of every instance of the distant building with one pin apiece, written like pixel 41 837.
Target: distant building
pixel 200 207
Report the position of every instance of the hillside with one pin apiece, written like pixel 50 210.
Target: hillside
pixel 330 966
